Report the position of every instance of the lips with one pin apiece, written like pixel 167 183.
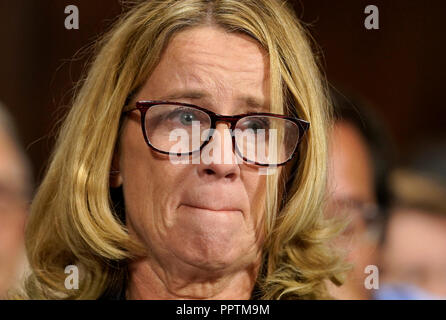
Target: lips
pixel 212 208
pixel 214 197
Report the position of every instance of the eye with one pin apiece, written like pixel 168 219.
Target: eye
pixel 186 118
pixel 183 116
pixel 256 123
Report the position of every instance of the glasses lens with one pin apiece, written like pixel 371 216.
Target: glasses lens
pixel 176 129
pixel 266 140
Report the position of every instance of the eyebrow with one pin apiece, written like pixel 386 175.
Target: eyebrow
pixel 253 104
pixel 186 94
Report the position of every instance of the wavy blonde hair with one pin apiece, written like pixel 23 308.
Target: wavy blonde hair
pixel 73 216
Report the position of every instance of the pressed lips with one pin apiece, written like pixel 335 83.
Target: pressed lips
pixel 214 197
pixel 211 208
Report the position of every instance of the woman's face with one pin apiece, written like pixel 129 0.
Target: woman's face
pixel 209 216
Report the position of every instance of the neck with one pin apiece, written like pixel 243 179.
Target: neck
pixel 150 281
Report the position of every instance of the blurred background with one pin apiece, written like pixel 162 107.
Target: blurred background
pixel 394 74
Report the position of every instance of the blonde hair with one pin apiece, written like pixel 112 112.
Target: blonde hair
pixel 73 219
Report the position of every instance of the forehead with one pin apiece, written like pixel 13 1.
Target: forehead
pixel 209 60
pixel 215 45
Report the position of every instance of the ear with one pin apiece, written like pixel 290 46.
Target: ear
pixel 115 173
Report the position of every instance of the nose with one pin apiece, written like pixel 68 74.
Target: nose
pixel 217 159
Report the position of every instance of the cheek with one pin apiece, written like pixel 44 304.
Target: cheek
pixel 255 185
pixel 149 184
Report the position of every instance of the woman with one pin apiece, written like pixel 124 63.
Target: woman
pixel 138 223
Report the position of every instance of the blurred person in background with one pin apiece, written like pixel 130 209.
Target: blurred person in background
pixel 359 162
pixel 414 251
pixel 15 190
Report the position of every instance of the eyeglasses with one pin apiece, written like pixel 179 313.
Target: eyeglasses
pixel 264 139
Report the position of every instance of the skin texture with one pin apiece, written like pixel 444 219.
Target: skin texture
pixel 202 224
pixel 415 250
pixel 12 213
pixel 351 179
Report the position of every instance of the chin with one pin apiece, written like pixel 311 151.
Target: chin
pixel 216 262
pixel 211 253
